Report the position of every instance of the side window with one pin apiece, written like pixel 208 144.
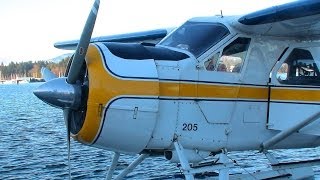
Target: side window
pixel 299 69
pixel 210 64
pixel 233 55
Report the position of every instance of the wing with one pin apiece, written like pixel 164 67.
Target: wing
pixel 296 19
pixel 152 36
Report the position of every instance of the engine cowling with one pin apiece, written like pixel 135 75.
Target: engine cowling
pixel 122 103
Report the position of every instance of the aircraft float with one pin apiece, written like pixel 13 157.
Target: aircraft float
pixel 211 86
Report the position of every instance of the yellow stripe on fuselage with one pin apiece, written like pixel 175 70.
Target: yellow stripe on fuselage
pixel 295 94
pixel 207 91
pixel 104 87
pixel 232 92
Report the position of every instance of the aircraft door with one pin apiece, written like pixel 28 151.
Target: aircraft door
pixel 202 119
pixel 207 117
pixel 220 80
pixel 294 90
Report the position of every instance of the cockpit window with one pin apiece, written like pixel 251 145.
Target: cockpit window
pixel 196 37
pixel 300 68
pixel 232 57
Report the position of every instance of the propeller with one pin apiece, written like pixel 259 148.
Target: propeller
pixel 70 93
pixel 81 51
pixel 47 75
pixel 66 116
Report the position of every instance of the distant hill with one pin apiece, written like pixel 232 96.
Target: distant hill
pixel 32 68
pixel 58 59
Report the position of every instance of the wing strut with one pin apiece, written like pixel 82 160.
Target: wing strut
pixel 284 134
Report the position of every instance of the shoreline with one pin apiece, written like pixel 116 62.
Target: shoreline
pixel 21 81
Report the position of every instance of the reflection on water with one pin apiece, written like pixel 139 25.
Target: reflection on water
pixel 33 146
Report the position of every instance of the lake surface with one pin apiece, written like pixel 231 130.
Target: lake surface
pixel 33 146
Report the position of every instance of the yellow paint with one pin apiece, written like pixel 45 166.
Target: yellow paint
pixel 217 91
pixel 187 90
pixel 253 93
pixel 295 94
pixel 103 87
pixel 168 89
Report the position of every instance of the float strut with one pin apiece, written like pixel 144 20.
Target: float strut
pixel 183 160
pixel 224 173
pixel 113 165
pixel 130 168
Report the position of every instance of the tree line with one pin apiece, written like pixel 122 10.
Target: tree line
pixel 31 69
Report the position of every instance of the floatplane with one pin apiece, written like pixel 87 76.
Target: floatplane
pixel 211 86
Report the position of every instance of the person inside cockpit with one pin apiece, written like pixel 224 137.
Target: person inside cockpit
pixel 222 67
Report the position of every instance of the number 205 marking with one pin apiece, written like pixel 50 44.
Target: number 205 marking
pixel 189 127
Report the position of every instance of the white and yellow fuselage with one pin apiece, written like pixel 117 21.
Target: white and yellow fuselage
pixel 144 105
pixel 212 85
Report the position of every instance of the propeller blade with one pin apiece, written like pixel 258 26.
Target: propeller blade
pixel 47 75
pixel 66 114
pixel 81 51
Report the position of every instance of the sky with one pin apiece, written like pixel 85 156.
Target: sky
pixel 29 28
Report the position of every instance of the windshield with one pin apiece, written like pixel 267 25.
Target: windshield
pixel 196 37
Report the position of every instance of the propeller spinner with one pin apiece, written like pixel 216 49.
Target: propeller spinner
pixel 70 94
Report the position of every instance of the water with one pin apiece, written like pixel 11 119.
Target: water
pixel 33 146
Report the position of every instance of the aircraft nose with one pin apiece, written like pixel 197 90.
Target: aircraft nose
pixel 59 93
